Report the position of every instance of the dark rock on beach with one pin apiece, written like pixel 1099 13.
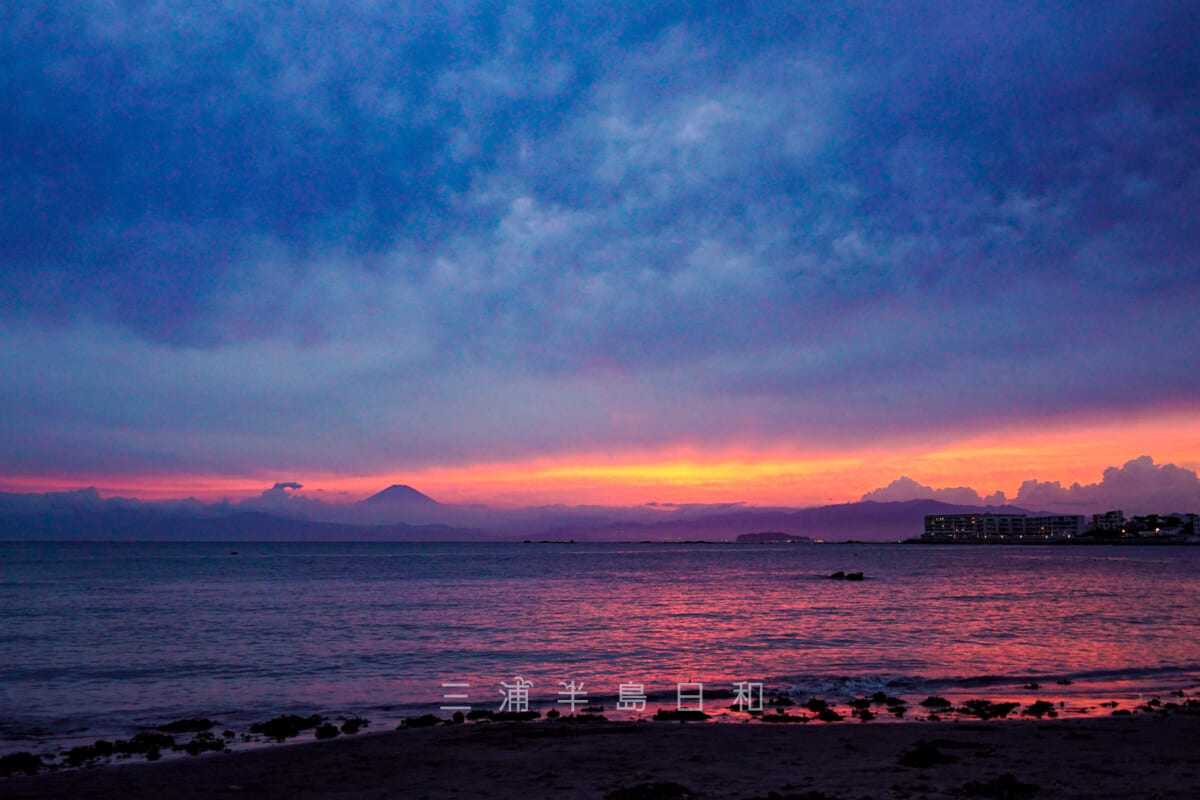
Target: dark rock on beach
pixel 18 763
pixel 985 709
pixel 925 755
pixel 327 731
pixel 680 715
pixel 84 753
pixel 423 721
pixel 203 742
pixel 286 726
pixel 1039 709
pixel 355 724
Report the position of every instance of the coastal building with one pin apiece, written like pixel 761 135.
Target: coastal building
pixel 974 526
pixel 1109 521
pixel 1000 527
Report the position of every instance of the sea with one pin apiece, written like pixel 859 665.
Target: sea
pixel 100 640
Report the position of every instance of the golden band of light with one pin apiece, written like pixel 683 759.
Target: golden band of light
pixel 999 459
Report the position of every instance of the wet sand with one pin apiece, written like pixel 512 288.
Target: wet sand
pixel 1143 756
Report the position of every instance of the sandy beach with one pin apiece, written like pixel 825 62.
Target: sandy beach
pixel 1144 756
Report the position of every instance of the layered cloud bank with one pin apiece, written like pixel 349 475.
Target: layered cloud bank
pixel 1140 486
pixel 374 238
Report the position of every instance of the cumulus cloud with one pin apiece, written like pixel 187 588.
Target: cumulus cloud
pixel 279 495
pixel 1140 486
pixel 905 488
pixel 283 498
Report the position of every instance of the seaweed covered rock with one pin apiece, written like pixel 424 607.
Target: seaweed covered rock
pixel 1039 709
pixel 925 755
pixel 16 763
pixel 985 709
pixel 680 714
pixel 354 725
pixel 423 721
pixel 84 753
pixel 145 743
pixel 286 726
pixel 203 742
pixel 327 731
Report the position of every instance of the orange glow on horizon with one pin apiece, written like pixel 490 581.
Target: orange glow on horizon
pixel 998 459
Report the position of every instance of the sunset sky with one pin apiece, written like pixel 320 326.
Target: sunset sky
pixel 607 253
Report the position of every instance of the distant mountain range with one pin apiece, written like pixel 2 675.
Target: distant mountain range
pixel 242 526
pixel 401 513
pixel 863 521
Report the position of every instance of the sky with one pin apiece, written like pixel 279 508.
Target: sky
pixel 520 253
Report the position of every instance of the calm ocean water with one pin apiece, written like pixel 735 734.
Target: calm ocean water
pixel 106 637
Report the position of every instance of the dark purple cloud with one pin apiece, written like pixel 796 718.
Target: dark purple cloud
pixel 375 236
pixel 1138 487
pixel 905 488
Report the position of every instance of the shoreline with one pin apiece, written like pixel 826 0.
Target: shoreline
pixel 206 733
pixel 1140 755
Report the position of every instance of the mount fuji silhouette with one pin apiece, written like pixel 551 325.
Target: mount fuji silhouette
pixel 398 495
